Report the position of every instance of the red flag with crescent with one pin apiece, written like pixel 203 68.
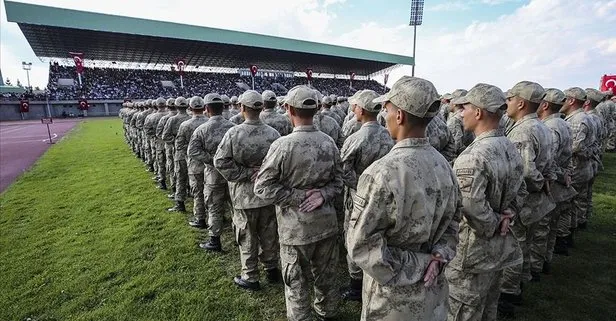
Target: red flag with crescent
pixel 309 74
pixel 24 106
pixel 78 59
pixel 83 104
pixel 181 64
pixel 608 82
pixel 352 74
pixel 253 70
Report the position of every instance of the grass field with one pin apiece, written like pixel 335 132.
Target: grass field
pixel 84 235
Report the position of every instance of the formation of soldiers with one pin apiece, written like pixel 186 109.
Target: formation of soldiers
pixel 446 205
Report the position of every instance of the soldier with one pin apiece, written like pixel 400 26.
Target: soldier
pixel 238 159
pixel 237 118
pixel 557 224
pixel 144 142
pixel 326 110
pixel 270 117
pixel 302 174
pixel 439 137
pixel 329 126
pixel 406 212
pixel 169 134
pixel 161 151
pixel 340 108
pixel 605 109
pixel 361 149
pixel 185 131
pixel 445 108
pixel 204 143
pixel 533 140
pixel 135 131
pixel 490 176
pixel 235 108
pixel 594 98
pixel 461 138
pixel 149 126
pixel 126 120
pixel 227 103
pixel 351 123
pixel 610 103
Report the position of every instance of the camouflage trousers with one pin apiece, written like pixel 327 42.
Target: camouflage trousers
pixel 147 150
pixel 611 142
pixel 319 259
pixel 539 244
pixel 161 159
pixel 152 160
pixel 215 197
pixel 133 140
pixel 580 204
pixel 355 272
pixel 589 209
pixel 169 151
pixel 473 296
pixel 181 180
pixel 256 234
pixel 560 222
pixel 141 144
pixel 514 275
pixel 196 182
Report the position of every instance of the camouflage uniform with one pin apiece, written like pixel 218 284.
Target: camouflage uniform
pixel 150 126
pixel 490 175
pixel 134 131
pixel 405 211
pixel 600 134
pixel 440 138
pixel 169 134
pixel 330 127
pixel 237 119
pixel 186 176
pixel 144 148
pixel 610 110
pixel 279 122
pixel 204 143
pixel 304 160
pixel 238 157
pixel 161 151
pixel 461 138
pixel 534 142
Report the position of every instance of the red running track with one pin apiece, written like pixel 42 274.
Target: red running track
pixel 23 142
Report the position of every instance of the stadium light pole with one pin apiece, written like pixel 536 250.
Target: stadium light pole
pixel 27 66
pixel 415 20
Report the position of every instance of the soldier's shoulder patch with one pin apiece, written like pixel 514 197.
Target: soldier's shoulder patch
pixel 465 171
pixel 359 201
pixel 466 184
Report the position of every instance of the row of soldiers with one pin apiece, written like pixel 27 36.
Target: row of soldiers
pixel 447 205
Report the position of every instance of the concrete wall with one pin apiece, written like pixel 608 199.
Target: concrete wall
pixel 9 110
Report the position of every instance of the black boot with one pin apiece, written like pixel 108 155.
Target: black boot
pixel 535 276
pixel 253 286
pixel 151 168
pixel 561 247
pixel 162 185
pixel 212 245
pixel 197 223
pixel 179 207
pixel 274 275
pixel 506 310
pixel 511 298
pixel 547 268
pixel 353 292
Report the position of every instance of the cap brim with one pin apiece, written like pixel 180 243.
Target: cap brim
pixel 460 101
pixel 382 99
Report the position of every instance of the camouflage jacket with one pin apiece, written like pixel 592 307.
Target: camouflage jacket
pixel 303 160
pixel 281 123
pixel 533 140
pixel 129 116
pixel 151 122
pixel 134 117
pixel 361 149
pixel 440 139
pixel 237 119
pixel 203 145
pixel 581 132
pixel 599 134
pixel 332 114
pixel 161 123
pixel 407 207
pixel 461 138
pixel 330 127
pixel 141 118
pixel 171 127
pixel 185 132
pixel 562 143
pixel 350 126
pixel 490 175
pixel 239 156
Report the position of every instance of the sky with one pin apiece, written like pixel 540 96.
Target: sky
pixel 557 43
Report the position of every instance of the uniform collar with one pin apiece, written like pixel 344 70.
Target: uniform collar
pixel 412 143
pixel 216 117
pixel 370 124
pixel 556 115
pixel 577 111
pixel 524 119
pixel 305 128
pixel 253 122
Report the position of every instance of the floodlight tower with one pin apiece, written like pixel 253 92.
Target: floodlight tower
pixel 416 20
pixel 27 66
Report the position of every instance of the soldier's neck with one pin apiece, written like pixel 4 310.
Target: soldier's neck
pixel 182 111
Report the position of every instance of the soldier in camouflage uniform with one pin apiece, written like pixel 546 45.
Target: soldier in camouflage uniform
pixel 302 174
pixel 404 226
pixel 610 106
pixel 234 109
pixel 605 110
pixel 490 175
pixel 135 131
pixel 461 138
pixel 557 224
pixel 237 119
pixel 270 117
pixel 326 110
pixel 169 134
pixel 439 137
pixel 140 124
pixel 351 123
pixel 444 110
pixel 149 126
pixel 360 150
pixel 185 131
pixel 329 126
pixel 581 165
pixel 533 140
pixel 164 151
pixel 238 159
pixel 594 98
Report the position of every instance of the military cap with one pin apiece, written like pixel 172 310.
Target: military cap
pixel 251 99
pixel 268 95
pixel 181 102
pixel 447 96
pixel 171 102
pixel 353 98
pixel 554 96
pixel 327 100
pixel 575 92
pixel 342 99
pixel 234 100
pixel 484 96
pixel 225 100
pixel 161 102
pixel 458 93
pixel 413 95
pixel 333 97
pixel 301 97
pixel 212 98
pixel 365 100
pixel 594 95
pixel 527 90
pixel 196 102
pixel 148 102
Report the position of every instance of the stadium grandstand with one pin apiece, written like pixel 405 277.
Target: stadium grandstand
pixel 131 58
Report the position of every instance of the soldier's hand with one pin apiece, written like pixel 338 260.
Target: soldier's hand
pixel 506 218
pixel 314 199
pixel 546 187
pixel 433 270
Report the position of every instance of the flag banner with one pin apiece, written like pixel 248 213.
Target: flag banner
pixel 78 59
pixel 181 64
pixel 253 70
pixel 309 74
pixel 608 82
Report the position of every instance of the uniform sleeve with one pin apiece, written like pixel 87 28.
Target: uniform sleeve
pixel 268 185
pixel 334 187
pixel 348 157
pixel 226 165
pixel 533 177
pixel 168 135
pixel 456 135
pixel 373 213
pixel 447 234
pixel 580 138
pixel 180 139
pixel 450 151
pixel 196 148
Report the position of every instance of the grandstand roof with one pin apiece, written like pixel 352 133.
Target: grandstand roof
pixel 54 32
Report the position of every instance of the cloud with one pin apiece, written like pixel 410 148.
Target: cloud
pixel 449 6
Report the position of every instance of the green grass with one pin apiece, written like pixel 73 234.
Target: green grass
pixel 84 235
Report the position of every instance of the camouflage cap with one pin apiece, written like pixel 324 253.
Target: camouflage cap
pixel 251 99
pixel 594 95
pixel 301 97
pixel 527 90
pixel 148 102
pixel 333 97
pixel 458 93
pixel 353 99
pixel 161 102
pixel 181 102
pixel 554 96
pixel 327 100
pixel 225 100
pixel 342 99
pixel 413 95
pixel 575 92
pixel 196 102
pixel 233 100
pixel 365 100
pixel 268 95
pixel 171 102
pixel 212 98
pixel 484 96
pixel 447 96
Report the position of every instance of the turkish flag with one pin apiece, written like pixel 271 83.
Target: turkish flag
pixel 608 83
pixel 253 70
pixel 181 64
pixel 24 106
pixel 78 59
pixel 83 104
pixel 309 74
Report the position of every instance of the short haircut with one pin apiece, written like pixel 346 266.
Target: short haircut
pixel 554 107
pixel 415 121
pixel 215 108
pixel 303 113
pixel 533 106
pixel 270 104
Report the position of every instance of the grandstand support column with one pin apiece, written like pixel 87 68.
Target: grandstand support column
pixel 106 109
